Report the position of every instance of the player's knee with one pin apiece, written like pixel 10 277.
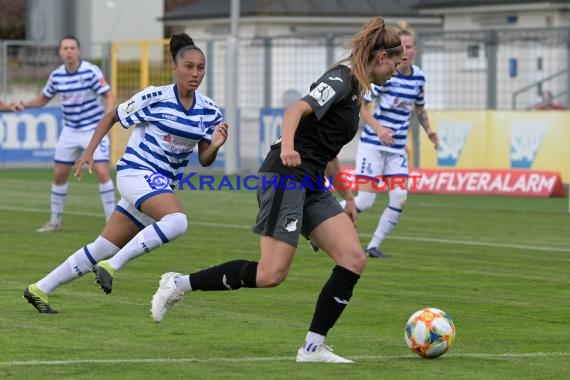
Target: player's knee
pixel 364 200
pixel 398 198
pixel 358 260
pixel 174 225
pixel 270 278
pixel 351 257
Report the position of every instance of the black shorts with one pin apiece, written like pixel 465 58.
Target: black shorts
pixel 286 211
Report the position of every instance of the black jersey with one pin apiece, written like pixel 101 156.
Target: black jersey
pixel 321 135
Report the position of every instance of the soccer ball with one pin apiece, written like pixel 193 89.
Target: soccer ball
pixel 429 332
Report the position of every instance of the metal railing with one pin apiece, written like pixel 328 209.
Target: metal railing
pixel 538 85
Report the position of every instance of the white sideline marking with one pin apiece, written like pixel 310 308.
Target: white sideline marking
pixel 274 359
pixel 411 238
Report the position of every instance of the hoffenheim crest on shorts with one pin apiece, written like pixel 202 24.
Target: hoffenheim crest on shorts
pixel 291 223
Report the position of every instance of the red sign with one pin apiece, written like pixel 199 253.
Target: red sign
pixel 526 183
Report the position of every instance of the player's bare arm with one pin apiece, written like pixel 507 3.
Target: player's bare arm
pixel 423 118
pixel 39 101
pixel 291 118
pixel 384 134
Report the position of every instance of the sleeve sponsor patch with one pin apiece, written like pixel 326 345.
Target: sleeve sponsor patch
pixel 128 107
pixel 322 93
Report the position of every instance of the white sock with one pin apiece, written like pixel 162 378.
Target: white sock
pixel 390 217
pixel 182 282
pixel 58 196
pixel 363 201
pixel 78 264
pixel 151 237
pixel 107 193
pixel 313 341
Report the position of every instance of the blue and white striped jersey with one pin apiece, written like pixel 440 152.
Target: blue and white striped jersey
pixel 166 133
pixel 79 92
pixel 393 106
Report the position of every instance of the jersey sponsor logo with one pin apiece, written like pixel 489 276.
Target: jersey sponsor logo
pixel 526 139
pixel 178 144
pixel 452 136
pixel 322 93
pixel 291 223
pixel 336 78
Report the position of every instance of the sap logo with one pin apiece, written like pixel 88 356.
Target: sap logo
pixel 270 129
pixel 452 137
pixel 526 139
pixel 29 130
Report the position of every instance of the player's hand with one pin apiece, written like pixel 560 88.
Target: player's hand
pixel 385 135
pixel 85 159
pixel 14 107
pixel 290 157
pixel 220 135
pixel 434 138
pixel 350 210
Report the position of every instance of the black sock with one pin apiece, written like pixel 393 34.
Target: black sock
pixel 227 276
pixel 333 299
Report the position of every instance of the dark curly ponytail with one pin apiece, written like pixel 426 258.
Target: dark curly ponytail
pixel 179 43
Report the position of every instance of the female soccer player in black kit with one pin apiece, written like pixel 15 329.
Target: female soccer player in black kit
pixel 294 200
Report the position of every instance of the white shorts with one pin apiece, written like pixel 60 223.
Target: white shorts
pixel 373 162
pixel 137 217
pixel 72 143
pixel 136 186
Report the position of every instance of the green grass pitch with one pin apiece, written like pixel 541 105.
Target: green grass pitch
pixel 499 266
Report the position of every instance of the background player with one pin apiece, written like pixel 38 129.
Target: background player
pixel 79 83
pixel 382 146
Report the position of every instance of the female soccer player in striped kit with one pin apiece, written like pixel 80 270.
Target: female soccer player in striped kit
pixel 382 146
pixel 170 121
pixel 79 84
pixel 314 130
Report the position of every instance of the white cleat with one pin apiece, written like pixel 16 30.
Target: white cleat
pixel 323 354
pixel 166 295
pixel 50 227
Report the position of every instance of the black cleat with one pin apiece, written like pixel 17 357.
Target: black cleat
pixel 104 274
pixel 38 299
